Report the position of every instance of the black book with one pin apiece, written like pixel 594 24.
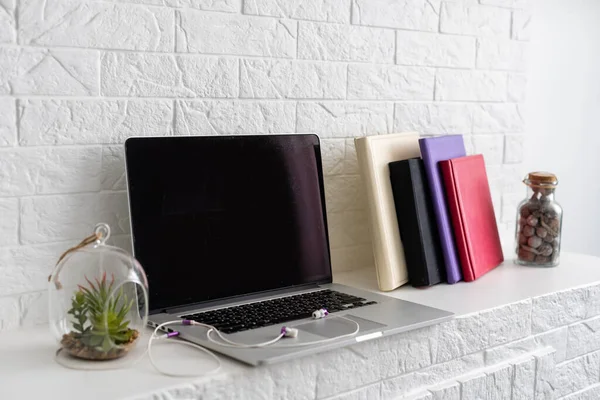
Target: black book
pixel 416 220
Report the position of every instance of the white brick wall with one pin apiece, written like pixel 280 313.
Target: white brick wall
pixel 77 77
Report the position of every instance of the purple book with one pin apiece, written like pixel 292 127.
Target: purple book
pixel 434 150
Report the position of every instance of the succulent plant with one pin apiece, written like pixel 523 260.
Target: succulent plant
pixel 99 316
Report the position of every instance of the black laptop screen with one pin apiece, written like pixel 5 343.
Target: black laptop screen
pixel 217 217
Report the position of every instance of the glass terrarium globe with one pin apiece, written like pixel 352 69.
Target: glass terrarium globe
pixel 98 298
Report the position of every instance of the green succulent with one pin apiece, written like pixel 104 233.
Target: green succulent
pixel 99 318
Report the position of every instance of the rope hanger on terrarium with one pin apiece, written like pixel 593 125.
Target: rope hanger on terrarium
pixel 96 236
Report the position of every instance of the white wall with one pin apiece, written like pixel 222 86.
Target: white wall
pixel 78 77
pixel 563 113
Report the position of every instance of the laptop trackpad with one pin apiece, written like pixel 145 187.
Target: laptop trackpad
pixel 333 327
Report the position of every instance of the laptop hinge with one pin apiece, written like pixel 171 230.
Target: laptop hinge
pixel 237 299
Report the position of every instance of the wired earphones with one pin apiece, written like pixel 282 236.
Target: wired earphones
pixel 285 332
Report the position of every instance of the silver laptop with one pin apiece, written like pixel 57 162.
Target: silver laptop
pixel 232 232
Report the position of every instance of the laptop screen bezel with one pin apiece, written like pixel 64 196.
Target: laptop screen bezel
pixel 133 141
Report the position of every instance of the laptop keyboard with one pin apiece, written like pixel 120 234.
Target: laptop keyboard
pixel 271 312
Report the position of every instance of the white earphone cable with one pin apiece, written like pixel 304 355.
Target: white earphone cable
pixel 353 333
pixel 228 343
pixel 156 337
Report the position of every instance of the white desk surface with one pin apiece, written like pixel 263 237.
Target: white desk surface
pixel 28 370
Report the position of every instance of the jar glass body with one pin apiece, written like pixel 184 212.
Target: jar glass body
pixel 538 230
pixel 98 301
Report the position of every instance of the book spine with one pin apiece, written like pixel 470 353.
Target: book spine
pixel 455 215
pixel 403 191
pixel 386 278
pixel 431 251
pixel 440 210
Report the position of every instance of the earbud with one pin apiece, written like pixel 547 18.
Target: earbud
pixel 289 332
pixel 322 313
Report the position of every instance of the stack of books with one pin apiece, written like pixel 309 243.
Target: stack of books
pixel 430 207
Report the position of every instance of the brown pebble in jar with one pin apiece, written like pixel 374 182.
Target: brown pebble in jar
pixel 534 242
pixel 525 255
pixel 533 205
pixel 554 223
pixel 524 212
pixel 551 214
pixel 541 232
pixel 522 222
pixel 548 238
pixel 542 259
pixel 528 230
pixel 545 250
pixel 532 221
pixel 522 239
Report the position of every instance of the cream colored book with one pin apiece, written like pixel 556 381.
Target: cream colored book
pixel 374 154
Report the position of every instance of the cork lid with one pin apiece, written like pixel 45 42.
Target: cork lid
pixel 540 178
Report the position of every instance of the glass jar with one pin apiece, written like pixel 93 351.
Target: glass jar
pixel 539 222
pixel 98 299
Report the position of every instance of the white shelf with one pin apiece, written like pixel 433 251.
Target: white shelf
pixel 28 369
pixel 506 284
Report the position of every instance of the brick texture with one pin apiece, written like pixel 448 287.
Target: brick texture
pixel 78 77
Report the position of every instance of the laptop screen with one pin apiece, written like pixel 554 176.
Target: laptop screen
pixel 217 217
